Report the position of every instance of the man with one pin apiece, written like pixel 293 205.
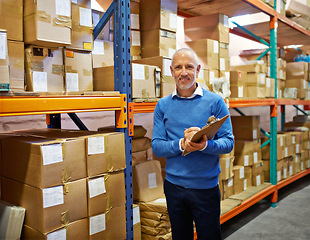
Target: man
pixel 191 184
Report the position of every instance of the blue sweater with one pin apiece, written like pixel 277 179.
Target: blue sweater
pixel 199 169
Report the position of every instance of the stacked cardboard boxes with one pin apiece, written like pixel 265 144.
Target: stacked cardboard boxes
pixel 226 175
pixel 4 62
pixel 238 84
pixel 67 178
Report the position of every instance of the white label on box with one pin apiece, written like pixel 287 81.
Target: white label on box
pixel 226 21
pixel 255 157
pixel 258 180
pixel 51 154
pixel 211 76
pixel 241 172
pixel 297 148
pixel 268 71
pixel 39 81
pixel 305 84
pixel 227 163
pixel 135 38
pixel 285 173
pixel 240 92
pixel 63 8
pixel 97 224
pixel 296 159
pixel 98 47
pixel 96 187
pixel 230 182
pixel 291 170
pixel 160 200
pixel 281 141
pixel 171 51
pixel 173 20
pixel 152 180
pixel 215 46
pixel 85 17
pixel 222 64
pixel 262 78
pixel 246 160
pixel 279 176
pixel 96 145
pixel 134 21
pixel 293 139
pixel 286 152
pixel 281 74
pixel 96 18
pixel 3 44
pixel 268 82
pixel 244 184
pixel 227 76
pixel 57 235
pixel 302 166
pixel 167 64
pixel 136 215
pixel 254 133
pixel 74 1
pixel 308 163
pixel 138 72
pixel 72 82
pixel 53 196
pixel 308 94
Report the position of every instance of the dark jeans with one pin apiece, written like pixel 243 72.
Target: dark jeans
pixel 199 205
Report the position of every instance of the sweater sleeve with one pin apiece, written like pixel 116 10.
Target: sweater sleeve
pixel 161 145
pixel 223 141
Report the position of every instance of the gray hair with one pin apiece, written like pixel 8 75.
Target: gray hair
pixel 185 50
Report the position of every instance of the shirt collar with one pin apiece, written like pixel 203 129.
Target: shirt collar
pixel 198 91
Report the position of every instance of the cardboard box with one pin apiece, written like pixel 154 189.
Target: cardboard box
pixel 103 54
pixel 238 171
pixel 158 42
pixel 4 62
pixel 224 63
pixel 48 208
pixel 138 157
pixel 297 70
pixel 255 91
pixel 16 66
pixel 136 223
pixel 167 83
pixel 144 78
pixel 147 181
pixel 82 28
pixel 47 23
pixel 135 43
pixel 207 51
pixel 42 162
pixel 214 26
pixel 78 71
pixel 11 12
pixel 239 186
pixel 44 69
pixel 228 188
pixel 257 67
pixel 246 127
pixel 244 153
pixel 226 165
pixel 258 179
pixel 105 191
pixel 266 169
pixel 134 15
pixel 159 14
pixel 108 225
pixel 11 220
pixel 270 87
pixel 74 230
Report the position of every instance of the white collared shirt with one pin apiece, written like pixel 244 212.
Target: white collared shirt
pixel 198 91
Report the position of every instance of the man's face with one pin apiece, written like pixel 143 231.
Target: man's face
pixel 184 70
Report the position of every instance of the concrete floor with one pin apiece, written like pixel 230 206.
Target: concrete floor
pixel 289 220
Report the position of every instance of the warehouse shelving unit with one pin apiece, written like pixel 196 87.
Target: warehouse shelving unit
pixel 280 31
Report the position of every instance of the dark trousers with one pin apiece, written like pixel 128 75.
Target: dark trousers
pixel 199 205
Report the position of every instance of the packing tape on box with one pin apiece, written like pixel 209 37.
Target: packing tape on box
pixel 43 17
pixel 87 72
pixel 66 176
pixel 167 34
pixel 146 72
pixel 167 79
pixel 67 232
pixel 65 217
pixel 62 21
pixel 58 69
pixel 68 69
pixel 67 188
pixel 37 66
pixel 78 28
pixel 145 94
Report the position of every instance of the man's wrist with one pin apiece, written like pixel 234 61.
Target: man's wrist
pixel 204 146
pixel 182 145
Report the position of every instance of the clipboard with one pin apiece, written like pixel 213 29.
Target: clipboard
pixel 209 130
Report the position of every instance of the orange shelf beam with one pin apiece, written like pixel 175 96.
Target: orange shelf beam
pixel 250 102
pixel 292 102
pixel 248 203
pixel 15 106
pixel 293 178
pixel 145 107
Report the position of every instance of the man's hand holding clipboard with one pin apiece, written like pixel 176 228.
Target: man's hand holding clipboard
pixel 209 130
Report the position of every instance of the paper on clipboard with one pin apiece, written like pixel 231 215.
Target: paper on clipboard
pixel 209 130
